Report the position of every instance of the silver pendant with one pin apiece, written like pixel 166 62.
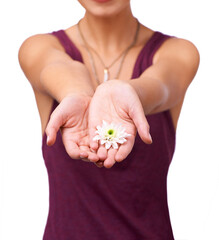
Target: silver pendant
pixel 106 74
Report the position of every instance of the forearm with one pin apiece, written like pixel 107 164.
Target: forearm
pixel 153 94
pixel 164 84
pixel 62 79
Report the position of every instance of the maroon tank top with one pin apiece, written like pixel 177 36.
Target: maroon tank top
pixel 125 202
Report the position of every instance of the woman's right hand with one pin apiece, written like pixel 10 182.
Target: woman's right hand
pixel 71 116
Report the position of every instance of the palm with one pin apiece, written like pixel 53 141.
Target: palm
pixel 115 101
pixel 72 117
pixel 74 130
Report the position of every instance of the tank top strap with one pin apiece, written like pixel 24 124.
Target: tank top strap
pixel 156 41
pixel 68 45
pixel 145 58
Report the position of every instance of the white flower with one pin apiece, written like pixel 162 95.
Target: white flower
pixel 111 135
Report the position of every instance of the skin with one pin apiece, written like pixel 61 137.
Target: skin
pixel 54 75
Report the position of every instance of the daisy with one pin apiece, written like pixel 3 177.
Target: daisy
pixel 111 135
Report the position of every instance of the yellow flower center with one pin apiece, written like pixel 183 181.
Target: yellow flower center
pixel 110 134
pixel 110 131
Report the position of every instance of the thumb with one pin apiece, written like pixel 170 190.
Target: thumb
pixel 53 126
pixel 141 123
pixel 92 132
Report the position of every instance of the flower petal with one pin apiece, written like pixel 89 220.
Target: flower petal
pixel 97 137
pixel 104 124
pixel 121 141
pixel 117 134
pixel 107 145
pixel 115 145
pixel 102 141
pixel 99 128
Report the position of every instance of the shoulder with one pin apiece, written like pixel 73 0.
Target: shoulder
pixel 35 46
pixel 41 40
pixel 179 50
pixel 169 50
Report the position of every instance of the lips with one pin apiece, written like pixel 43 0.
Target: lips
pixel 102 1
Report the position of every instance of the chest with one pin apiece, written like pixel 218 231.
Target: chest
pixel 118 65
pixel 110 63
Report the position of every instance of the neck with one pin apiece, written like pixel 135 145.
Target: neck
pixel 109 34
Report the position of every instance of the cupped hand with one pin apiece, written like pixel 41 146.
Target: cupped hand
pixel 116 101
pixel 71 116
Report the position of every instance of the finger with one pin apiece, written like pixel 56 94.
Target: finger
pixel 85 159
pixel 72 149
pixel 93 157
pixel 93 143
pixel 53 126
pixel 84 151
pixel 141 123
pixel 124 149
pixel 84 154
pixel 99 164
pixel 110 161
pixel 102 153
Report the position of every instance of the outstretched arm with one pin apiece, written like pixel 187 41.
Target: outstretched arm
pixel 54 75
pixel 163 85
pixel 160 87
pixel 50 70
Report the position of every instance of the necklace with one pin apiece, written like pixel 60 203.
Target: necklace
pixel 106 68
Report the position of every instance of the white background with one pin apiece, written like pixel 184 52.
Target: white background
pixel 193 180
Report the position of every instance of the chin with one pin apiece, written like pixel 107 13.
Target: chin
pixel 105 8
pixel 102 1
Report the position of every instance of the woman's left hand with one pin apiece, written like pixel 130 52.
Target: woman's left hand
pixel 116 101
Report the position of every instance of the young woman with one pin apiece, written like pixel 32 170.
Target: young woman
pixel 108 67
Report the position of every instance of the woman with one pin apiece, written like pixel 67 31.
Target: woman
pixel 108 67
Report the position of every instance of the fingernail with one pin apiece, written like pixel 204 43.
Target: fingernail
pixel 47 140
pixel 150 138
pixel 83 154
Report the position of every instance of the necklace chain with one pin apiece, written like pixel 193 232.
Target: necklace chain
pixel 106 68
